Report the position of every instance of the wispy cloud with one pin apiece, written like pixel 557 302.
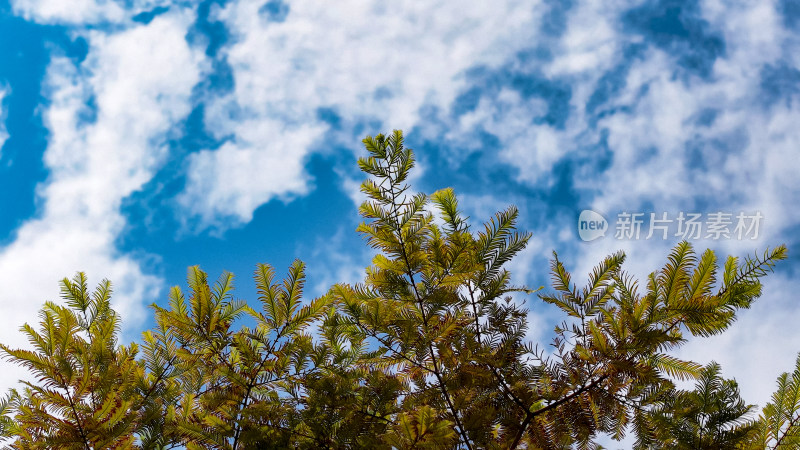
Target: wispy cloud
pixel 664 109
pixel 683 137
pixel 638 106
pixel 74 11
pixel 365 60
pixel 84 12
pixel 140 81
pixel 3 116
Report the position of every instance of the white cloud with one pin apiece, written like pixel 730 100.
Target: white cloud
pixel 368 61
pixel 141 80
pixel 589 47
pixel 752 31
pixel 533 149
pixel 3 115
pixel 743 149
pixel 83 12
pixel 265 161
pixel 374 63
pixel 663 158
pixel 652 163
pixel 73 11
pixel 589 42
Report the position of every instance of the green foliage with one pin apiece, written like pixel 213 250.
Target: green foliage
pixel 779 423
pixel 435 304
pixel 615 348
pixel 232 388
pixel 85 391
pixel 429 351
pixel 712 416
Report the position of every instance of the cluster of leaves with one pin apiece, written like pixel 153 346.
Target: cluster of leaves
pixel 714 416
pixel 86 387
pixel 778 426
pixel 428 351
pixel 615 350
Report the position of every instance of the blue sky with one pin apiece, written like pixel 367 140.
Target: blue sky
pixel 143 136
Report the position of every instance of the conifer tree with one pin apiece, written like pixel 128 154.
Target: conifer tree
pixel 429 351
pixel 779 423
pixel 436 303
pixel 615 348
pixel 85 393
pixel 712 416
pixel 231 388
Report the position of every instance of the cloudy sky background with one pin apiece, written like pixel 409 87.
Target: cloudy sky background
pixel 143 136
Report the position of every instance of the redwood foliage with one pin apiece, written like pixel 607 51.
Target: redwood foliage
pixel 428 351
